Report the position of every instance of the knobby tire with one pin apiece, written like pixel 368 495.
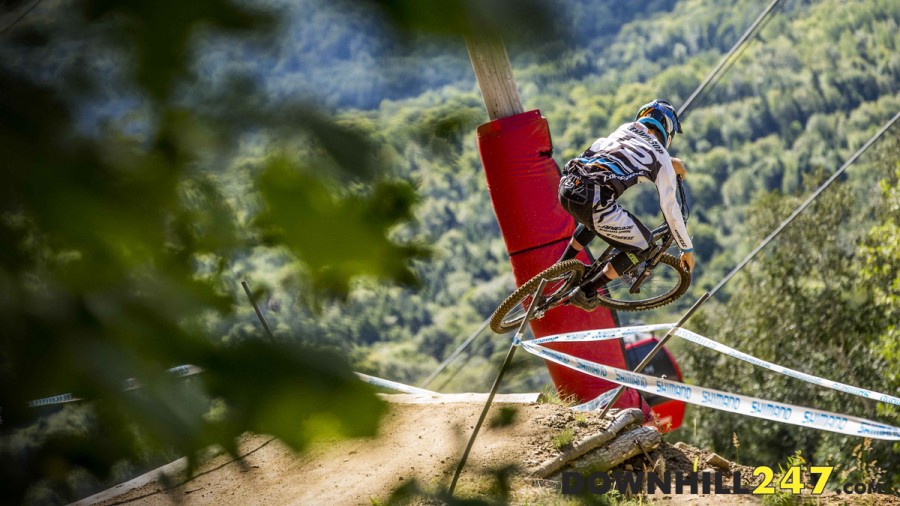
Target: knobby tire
pixel 684 281
pixel 573 269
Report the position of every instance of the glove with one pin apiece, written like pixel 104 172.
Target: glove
pixel 678 165
pixel 687 260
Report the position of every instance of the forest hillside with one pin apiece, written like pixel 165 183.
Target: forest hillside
pixel 325 153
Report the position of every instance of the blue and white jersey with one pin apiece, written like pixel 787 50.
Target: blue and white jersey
pixel 632 155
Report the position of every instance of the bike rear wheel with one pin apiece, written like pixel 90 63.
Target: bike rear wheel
pixel 561 278
pixel 667 282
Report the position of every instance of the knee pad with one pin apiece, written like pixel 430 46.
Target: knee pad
pixel 583 234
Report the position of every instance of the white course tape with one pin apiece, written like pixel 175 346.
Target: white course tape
pixel 183 371
pixel 56 399
pixel 809 378
pixel 606 334
pixel 597 403
pixel 601 334
pixel 393 385
pixel 724 401
pixel 179 371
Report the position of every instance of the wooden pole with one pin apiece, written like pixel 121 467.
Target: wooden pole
pixel 494 74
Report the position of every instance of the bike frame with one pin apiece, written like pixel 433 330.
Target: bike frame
pixel 660 233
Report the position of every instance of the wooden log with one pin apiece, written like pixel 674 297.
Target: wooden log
pixel 624 420
pixel 494 74
pixel 620 449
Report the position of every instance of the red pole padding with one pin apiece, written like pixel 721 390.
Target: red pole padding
pixel 522 179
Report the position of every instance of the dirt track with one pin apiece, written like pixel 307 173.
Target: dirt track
pixel 417 443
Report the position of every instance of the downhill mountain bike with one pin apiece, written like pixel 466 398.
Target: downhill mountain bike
pixel 655 281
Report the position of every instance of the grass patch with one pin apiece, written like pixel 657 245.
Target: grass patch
pixel 549 395
pixel 563 439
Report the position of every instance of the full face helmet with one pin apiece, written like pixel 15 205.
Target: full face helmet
pixel 662 116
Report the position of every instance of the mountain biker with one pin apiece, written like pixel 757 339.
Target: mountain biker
pixel 635 152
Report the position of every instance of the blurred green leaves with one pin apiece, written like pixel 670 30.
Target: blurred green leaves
pixel 159 33
pixel 337 236
pixel 105 229
pixel 310 393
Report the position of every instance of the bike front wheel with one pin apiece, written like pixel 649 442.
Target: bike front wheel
pixel 561 278
pixel 667 282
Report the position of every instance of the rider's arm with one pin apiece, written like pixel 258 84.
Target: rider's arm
pixel 666 185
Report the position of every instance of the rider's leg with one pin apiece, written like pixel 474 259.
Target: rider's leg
pixel 624 231
pixel 610 272
pixel 580 239
pixel 595 208
pixel 616 226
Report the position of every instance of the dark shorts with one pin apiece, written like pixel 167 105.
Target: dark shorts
pixel 594 205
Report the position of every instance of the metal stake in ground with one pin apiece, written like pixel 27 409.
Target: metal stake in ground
pixel 640 367
pixel 487 405
pixel 258 312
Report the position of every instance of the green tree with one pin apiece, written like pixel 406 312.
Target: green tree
pixel 804 304
pixel 880 251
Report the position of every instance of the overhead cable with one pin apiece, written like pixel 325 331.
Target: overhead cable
pixel 719 69
pixel 20 18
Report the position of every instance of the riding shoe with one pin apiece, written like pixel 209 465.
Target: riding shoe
pixel 579 299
